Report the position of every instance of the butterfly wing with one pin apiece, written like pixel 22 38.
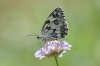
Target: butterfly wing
pixel 55 27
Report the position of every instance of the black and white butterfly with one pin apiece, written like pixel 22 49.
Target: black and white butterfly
pixel 55 27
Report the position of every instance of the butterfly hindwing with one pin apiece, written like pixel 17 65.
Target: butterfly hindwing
pixel 55 27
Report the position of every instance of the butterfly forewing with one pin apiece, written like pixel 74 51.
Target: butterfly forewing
pixel 55 27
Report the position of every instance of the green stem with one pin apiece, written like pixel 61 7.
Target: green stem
pixel 56 60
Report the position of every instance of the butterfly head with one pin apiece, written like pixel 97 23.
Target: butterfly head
pixel 39 37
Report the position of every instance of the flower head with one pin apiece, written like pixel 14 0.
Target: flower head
pixel 53 48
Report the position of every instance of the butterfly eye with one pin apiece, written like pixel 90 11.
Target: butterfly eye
pixel 38 37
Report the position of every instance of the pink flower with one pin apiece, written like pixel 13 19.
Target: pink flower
pixel 53 48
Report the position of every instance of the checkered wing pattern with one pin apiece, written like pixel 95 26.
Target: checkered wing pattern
pixel 55 27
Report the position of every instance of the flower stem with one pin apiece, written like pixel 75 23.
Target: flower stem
pixel 56 60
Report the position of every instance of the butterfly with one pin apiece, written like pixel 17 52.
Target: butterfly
pixel 55 27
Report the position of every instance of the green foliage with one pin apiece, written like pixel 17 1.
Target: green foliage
pixel 19 18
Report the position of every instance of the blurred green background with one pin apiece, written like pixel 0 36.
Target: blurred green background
pixel 19 18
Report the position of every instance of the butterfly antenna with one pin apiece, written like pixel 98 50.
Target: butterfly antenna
pixel 32 35
pixel 35 34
